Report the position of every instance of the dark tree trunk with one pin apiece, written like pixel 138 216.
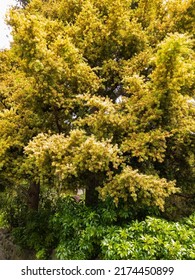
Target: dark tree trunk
pixel 33 195
pixel 91 196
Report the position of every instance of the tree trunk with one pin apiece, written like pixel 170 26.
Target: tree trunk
pixel 91 195
pixel 33 195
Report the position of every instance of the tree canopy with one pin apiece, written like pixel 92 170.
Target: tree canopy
pixel 99 95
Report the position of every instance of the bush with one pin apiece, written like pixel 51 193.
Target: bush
pixel 3 221
pixel 74 231
pixel 80 229
pixel 87 234
pixel 36 232
pixel 153 239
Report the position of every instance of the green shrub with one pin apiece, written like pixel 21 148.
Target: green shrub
pixel 80 230
pixel 154 239
pixel 3 220
pixel 74 231
pixel 36 232
pixel 87 234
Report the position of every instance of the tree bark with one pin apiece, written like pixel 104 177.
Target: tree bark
pixel 91 195
pixel 33 196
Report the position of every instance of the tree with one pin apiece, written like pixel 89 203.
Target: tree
pixel 104 99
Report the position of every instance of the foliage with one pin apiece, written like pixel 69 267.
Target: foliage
pixel 70 230
pixel 90 236
pixel 80 229
pixel 75 224
pixel 97 95
pixel 153 239
pixel 35 231
pixel 3 221
pixel 104 97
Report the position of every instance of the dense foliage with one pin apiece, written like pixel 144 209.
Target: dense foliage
pixel 95 234
pixel 99 96
pixel 74 231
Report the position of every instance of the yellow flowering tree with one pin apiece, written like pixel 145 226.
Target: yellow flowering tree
pixel 99 95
